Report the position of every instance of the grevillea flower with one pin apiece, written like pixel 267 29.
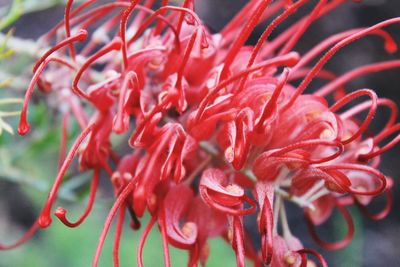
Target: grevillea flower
pixel 219 130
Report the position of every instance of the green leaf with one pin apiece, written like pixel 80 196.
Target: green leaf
pixel 6 127
pixel 5 52
pixel 13 14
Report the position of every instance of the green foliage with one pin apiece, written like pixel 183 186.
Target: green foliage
pixel 12 13
pixel 352 254
pixel 6 52
pixel 4 126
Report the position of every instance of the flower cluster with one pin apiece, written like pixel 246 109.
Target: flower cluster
pixel 218 129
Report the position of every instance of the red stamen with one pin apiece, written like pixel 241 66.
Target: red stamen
pixel 157 13
pixel 158 27
pixel 61 213
pixel 146 23
pixel 181 101
pixel 185 4
pixel 244 34
pixel 392 118
pixel 304 26
pixel 239 18
pixel 139 17
pixel 80 36
pixel 238 241
pixel 194 254
pixel 130 82
pixel 389 44
pixel 383 213
pixel 117 204
pixel 64 138
pixel 31 231
pixel 139 128
pixel 380 102
pixel 288 33
pixel 271 105
pixel 266 231
pixel 364 125
pixel 146 231
pixel 338 244
pixel 383 135
pixel 50 34
pixel 117 238
pixel 93 15
pixel 317 67
pixel 164 237
pixel 351 75
pixel 309 144
pixel 266 33
pixel 44 218
pixel 287 60
pixel 364 168
pixel 228 210
pixel 23 127
pixel 122 30
pixel 68 7
pixel 229 32
pixel 113 45
pixel 323 74
pixel 185 58
pixel 108 25
pixel 312 252
pixel 79 112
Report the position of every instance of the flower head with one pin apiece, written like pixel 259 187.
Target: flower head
pixel 218 129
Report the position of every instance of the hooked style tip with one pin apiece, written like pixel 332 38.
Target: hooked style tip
pixel 294 58
pixel 391 48
pixel 60 213
pixel 116 43
pixel 44 221
pixel 121 124
pixel 82 35
pixel 23 127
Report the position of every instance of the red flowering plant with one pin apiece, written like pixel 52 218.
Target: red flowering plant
pixel 219 130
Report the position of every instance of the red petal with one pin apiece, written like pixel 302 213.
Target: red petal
pixel 283 256
pixel 176 204
pixel 265 196
pixel 224 198
pixel 381 180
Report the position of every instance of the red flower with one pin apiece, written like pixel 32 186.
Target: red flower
pixel 218 129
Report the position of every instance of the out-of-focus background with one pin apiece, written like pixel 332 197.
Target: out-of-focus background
pixel 27 165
